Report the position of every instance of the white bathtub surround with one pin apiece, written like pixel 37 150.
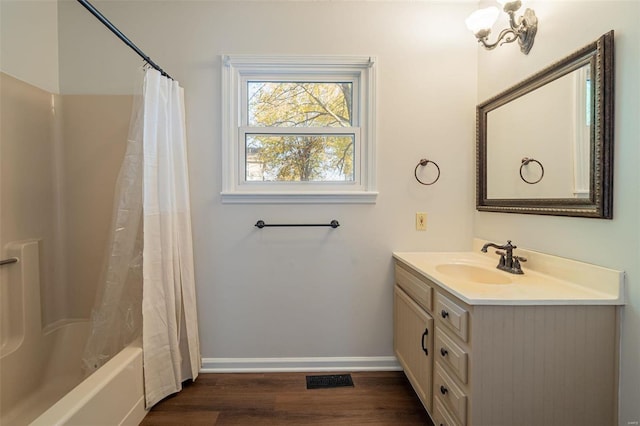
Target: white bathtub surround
pixel 23 342
pixel 42 380
pixel 170 329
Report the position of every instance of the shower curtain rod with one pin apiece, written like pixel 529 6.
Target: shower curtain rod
pixel 95 12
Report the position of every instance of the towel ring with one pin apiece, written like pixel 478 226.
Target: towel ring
pixel 423 163
pixel 526 161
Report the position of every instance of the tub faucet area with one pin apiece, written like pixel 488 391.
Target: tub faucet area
pixel 508 262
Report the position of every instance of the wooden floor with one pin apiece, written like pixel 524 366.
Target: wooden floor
pixel 377 398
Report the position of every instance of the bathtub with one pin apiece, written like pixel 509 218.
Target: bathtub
pixel 42 380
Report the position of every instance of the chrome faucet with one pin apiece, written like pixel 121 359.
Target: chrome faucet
pixel 508 262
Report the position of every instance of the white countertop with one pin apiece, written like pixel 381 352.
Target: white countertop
pixel 557 281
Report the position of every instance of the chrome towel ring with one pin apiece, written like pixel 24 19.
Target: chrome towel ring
pixel 525 162
pixel 424 163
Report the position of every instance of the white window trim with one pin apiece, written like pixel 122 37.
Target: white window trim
pixel 581 137
pixel 236 68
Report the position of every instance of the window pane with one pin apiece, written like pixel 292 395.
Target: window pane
pixel 299 158
pixel 299 104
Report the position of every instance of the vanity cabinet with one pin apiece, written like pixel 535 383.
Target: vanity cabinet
pixel 502 364
pixel 413 342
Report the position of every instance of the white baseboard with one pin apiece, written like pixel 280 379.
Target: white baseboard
pixel 309 364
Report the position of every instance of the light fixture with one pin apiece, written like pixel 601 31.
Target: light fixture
pixel 522 29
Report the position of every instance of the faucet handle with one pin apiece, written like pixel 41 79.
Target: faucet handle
pixel 516 269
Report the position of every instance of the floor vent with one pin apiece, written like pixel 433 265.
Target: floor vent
pixel 329 381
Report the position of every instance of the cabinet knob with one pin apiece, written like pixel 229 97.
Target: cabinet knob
pixel 443 390
pixel 444 313
pixel 443 352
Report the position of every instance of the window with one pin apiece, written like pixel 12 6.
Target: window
pixel 298 129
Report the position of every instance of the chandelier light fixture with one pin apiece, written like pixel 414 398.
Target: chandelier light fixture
pixel 522 28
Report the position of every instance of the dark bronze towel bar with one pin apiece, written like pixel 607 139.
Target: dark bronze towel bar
pixel 8 261
pixel 260 224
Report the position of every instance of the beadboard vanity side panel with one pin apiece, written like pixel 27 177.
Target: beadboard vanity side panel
pixel 551 365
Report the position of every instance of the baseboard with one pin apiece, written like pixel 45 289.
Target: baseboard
pixel 309 364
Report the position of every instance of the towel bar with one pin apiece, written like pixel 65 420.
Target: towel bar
pixel 260 224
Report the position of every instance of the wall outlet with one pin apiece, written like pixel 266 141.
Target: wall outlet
pixel 421 221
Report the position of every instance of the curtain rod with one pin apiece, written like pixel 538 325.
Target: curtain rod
pixel 95 12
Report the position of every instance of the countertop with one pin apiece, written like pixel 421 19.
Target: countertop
pixel 547 280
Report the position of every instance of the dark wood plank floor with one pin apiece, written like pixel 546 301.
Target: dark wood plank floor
pixel 377 398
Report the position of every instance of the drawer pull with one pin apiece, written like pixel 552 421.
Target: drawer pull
pixel 443 352
pixel 443 390
pixel 444 313
pixel 426 332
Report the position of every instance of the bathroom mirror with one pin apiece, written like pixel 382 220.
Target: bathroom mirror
pixel 545 145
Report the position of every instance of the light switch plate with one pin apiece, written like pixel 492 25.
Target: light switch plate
pixel 421 221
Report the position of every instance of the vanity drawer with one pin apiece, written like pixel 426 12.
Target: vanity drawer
pixel 441 416
pixel 452 314
pixel 419 290
pixel 450 354
pixel 449 393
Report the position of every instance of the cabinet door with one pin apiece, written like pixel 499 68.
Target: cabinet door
pixel 413 343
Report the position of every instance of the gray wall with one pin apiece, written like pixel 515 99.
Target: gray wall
pixel 304 292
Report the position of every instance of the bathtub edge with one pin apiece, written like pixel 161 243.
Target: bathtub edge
pixel 72 408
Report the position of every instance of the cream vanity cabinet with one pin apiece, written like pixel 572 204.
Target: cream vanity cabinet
pixel 492 365
pixel 413 333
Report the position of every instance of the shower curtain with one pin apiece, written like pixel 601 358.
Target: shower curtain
pixel 170 329
pixel 148 284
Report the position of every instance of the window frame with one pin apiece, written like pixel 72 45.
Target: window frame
pixel 238 70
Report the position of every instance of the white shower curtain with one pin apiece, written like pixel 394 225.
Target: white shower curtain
pixel 170 329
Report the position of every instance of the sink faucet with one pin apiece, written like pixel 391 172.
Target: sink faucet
pixel 508 262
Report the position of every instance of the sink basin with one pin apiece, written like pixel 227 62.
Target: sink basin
pixel 477 274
